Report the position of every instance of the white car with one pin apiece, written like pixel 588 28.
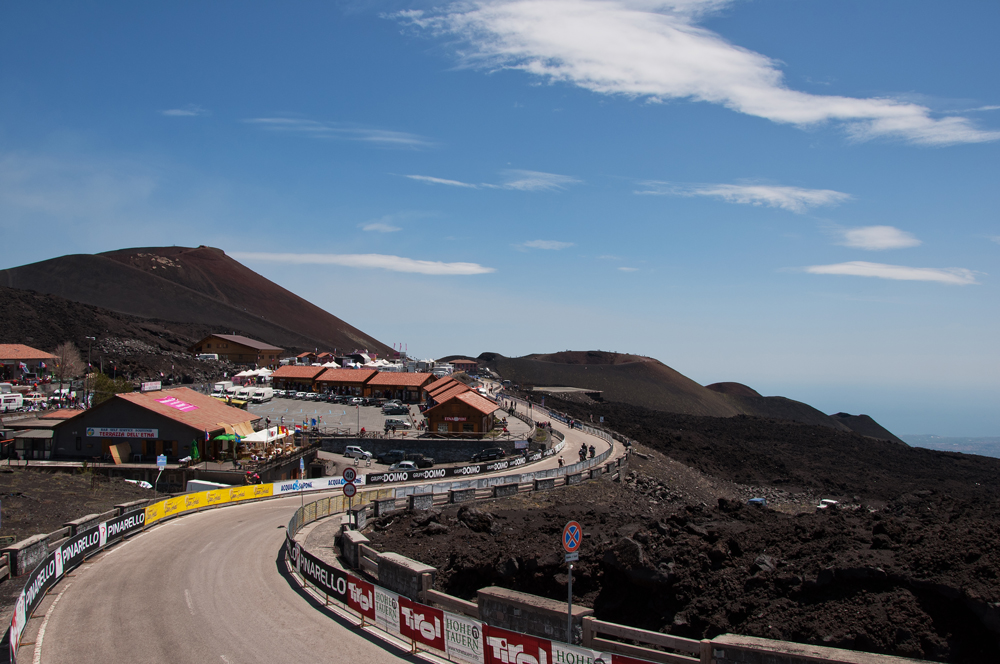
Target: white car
pixel 403 465
pixel 301 395
pixel 355 452
pixel 356 401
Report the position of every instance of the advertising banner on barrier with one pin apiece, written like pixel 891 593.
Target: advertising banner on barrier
pixel 563 653
pixel 216 497
pixel 504 647
pixel 319 484
pixel 464 637
pixel 422 624
pixel 69 554
pixel 361 597
pixel 326 577
pixel 441 473
pixel 387 610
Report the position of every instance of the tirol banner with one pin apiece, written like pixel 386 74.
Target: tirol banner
pixel 361 597
pixel 422 624
pixel 464 637
pixel 69 554
pixel 505 647
pixel 441 473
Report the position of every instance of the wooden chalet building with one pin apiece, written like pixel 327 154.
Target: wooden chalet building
pixel 239 350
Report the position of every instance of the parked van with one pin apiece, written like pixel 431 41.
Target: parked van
pixel 6 388
pixel 208 356
pixel 262 394
pixel 12 401
pixel 245 393
pixel 219 389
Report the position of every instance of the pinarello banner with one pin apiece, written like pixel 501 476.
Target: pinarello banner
pixel 70 553
pixel 361 597
pixel 505 647
pixel 423 624
pixel 329 579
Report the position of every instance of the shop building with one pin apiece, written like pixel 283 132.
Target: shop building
pixel 139 426
pixel 465 413
pixel 407 387
pixel 345 381
pixel 239 350
pixel 18 361
pixel 298 378
pixel 470 367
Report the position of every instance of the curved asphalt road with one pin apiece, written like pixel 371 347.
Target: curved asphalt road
pixel 206 587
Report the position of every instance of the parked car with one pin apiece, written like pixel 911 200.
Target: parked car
pixel 399 424
pixel 301 395
pixel 395 409
pixel 355 452
pixel 489 454
pixel 403 465
pixel 356 401
pixel 392 456
pixel 421 460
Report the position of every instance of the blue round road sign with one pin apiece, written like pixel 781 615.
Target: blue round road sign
pixel 572 536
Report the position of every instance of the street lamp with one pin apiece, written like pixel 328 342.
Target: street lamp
pixel 90 340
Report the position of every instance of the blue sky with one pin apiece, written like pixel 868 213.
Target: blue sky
pixel 800 196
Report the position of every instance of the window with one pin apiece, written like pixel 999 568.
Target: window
pixel 467 427
pixel 79 444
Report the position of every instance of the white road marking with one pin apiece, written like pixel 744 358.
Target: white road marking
pixel 224 659
pixel 41 630
pixel 187 598
pixel 206 547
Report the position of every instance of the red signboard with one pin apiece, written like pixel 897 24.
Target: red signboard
pixel 503 647
pixel 422 624
pixel 361 597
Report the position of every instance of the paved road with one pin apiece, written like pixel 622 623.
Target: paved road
pixel 202 588
pixel 207 587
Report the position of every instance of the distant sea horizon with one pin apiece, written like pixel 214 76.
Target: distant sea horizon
pixel 985 446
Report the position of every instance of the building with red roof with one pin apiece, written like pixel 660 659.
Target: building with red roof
pixel 143 425
pixel 238 349
pixel 463 412
pixel 345 381
pixel 407 387
pixel 18 359
pixel 298 378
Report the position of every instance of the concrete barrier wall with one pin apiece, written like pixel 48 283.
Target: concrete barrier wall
pixel 530 614
pixel 404 576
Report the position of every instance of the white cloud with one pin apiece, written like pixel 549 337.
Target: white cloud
pixel 380 261
pixel 793 199
pixel 629 269
pixel 342 131
pixel 996 238
pixel 553 245
pixel 655 49
pixel 878 238
pixel 380 227
pixel 515 179
pixel 537 181
pixel 432 180
pixel 190 110
pixel 956 276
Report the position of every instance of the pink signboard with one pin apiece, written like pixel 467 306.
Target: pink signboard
pixel 182 406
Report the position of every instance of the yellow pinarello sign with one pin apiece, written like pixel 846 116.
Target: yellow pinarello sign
pixel 193 501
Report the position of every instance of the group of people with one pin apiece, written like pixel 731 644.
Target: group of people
pixel 584 449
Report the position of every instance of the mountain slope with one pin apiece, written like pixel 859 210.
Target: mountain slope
pixel 646 382
pixel 195 286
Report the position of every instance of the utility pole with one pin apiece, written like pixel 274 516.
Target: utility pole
pixel 86 376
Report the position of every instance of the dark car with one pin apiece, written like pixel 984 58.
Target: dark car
pixel 421 460
pixel 489 454
pixel 395 409
pixel 392 456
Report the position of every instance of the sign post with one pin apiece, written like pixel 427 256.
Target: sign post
pixel 349 488
pixel 161 463
pixel 571 538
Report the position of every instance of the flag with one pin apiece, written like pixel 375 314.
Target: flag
pixel 22 366
pixel 237 439
pixel 298 427
pixel 41 365
pixel 206 435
